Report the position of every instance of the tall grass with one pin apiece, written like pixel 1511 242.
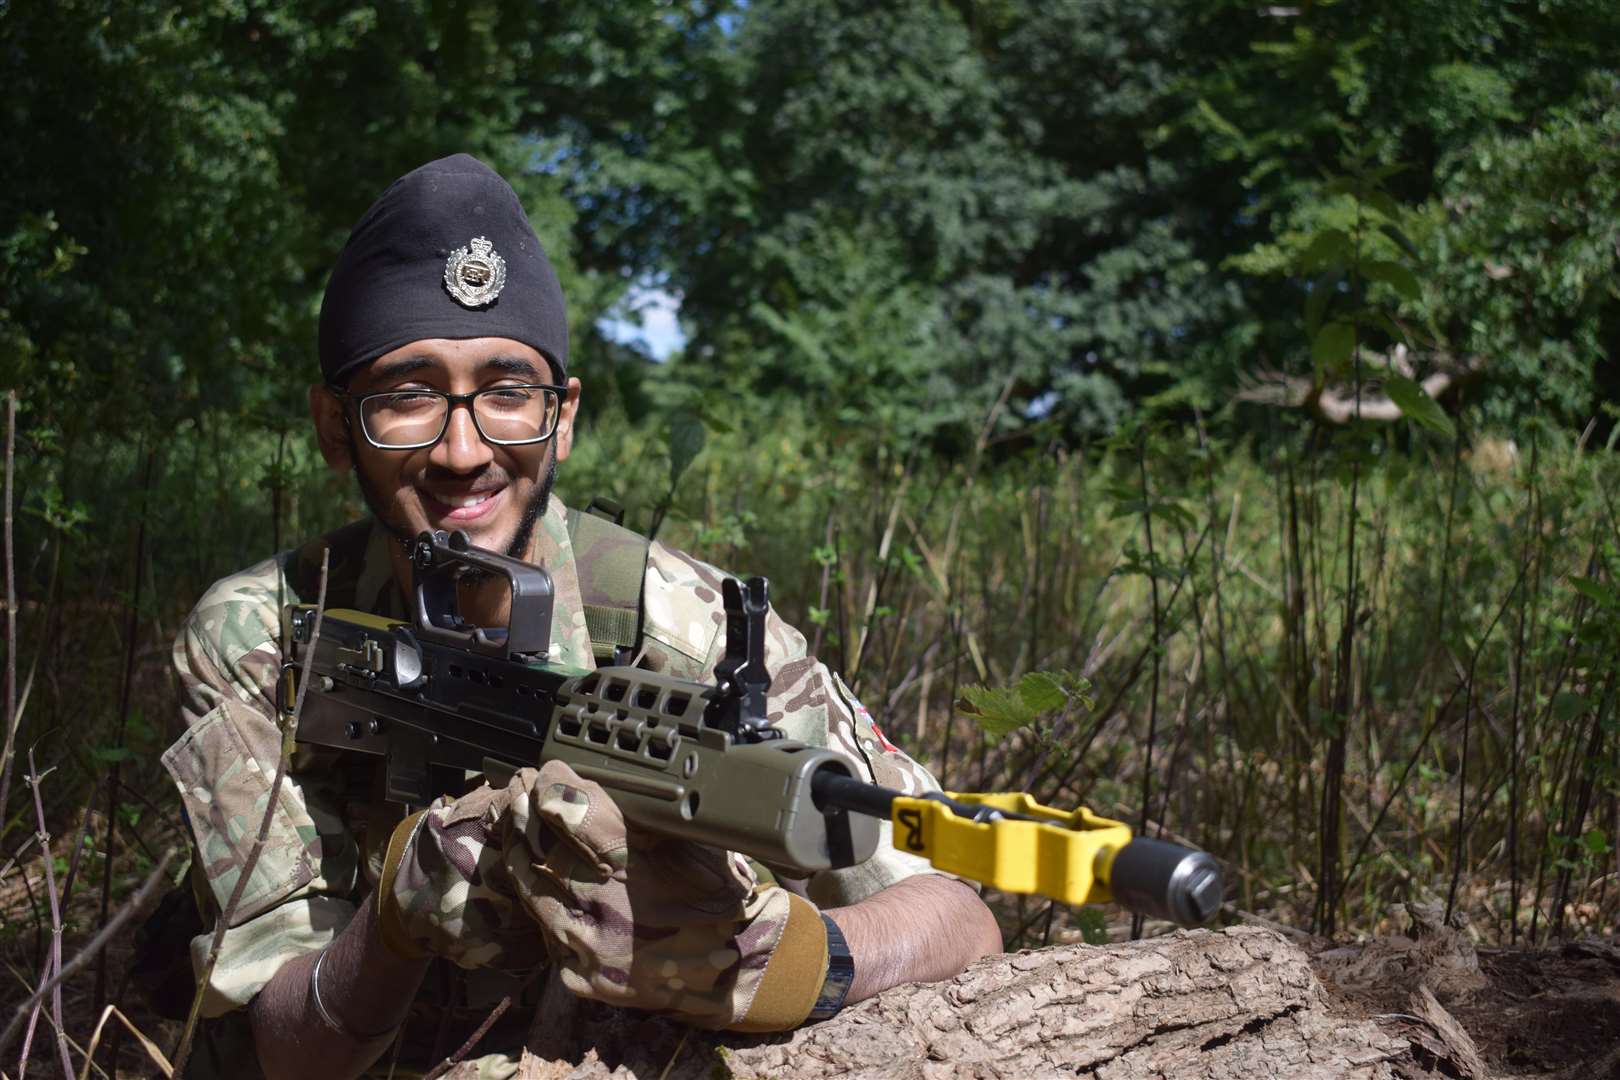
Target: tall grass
pixel 1207 590
pixel 1469 692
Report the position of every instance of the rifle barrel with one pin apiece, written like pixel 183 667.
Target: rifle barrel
pixel 835 791
pixel 832 790
pixel 1167 881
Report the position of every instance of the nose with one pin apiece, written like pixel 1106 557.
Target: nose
pixel 462 449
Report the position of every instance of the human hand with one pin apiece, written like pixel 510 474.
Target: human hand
pixel 641 920
pixel 444 890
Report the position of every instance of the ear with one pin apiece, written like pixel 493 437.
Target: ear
pixel 564 438
pixel 331 428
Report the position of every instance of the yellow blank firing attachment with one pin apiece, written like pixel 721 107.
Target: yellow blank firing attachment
pixel 1013 843
pixel 1064 855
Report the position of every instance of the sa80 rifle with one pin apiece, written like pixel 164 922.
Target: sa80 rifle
pixel 436 697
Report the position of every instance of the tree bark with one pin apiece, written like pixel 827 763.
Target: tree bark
pixel 1241 1002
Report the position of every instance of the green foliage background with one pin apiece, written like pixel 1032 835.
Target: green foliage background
pixel 976 296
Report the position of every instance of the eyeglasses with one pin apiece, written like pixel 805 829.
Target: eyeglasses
pixel 413 419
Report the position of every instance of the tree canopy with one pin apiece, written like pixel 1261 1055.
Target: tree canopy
pixel 879 216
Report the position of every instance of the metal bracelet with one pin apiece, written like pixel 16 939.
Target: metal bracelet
pixel 331 1021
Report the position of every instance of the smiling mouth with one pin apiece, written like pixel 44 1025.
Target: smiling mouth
pixel 461 509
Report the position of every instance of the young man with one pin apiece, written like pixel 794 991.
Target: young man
pixel 443 348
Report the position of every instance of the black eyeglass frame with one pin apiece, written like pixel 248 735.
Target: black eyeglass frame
pixel 451 401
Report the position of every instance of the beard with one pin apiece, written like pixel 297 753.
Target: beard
pixel 521 538
pixel 532 513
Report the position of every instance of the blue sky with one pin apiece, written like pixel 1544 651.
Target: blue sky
pixel 648 317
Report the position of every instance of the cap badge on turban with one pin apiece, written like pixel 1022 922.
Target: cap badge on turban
pixel 474 275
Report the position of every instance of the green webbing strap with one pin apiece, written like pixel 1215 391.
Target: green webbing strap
pixel 610 628
pixel 612 564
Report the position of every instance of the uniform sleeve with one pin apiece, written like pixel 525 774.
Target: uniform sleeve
pixel 227 660
pixel 684 634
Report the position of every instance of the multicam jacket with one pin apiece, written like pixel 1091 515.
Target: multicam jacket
pixel 318 862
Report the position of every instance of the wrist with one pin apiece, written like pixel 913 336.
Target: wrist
pixel 364 989
pixel 332 1021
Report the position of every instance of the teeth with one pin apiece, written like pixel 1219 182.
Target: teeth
pixel 461 502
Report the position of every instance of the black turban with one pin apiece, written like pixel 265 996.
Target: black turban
pixel 446 252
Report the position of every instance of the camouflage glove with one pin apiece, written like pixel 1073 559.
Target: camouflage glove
pixel 444 890
pixel 640 920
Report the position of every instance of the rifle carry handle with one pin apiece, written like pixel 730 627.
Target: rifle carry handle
pixel 439 561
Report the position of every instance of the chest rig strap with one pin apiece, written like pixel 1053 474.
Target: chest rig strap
pixel 612 565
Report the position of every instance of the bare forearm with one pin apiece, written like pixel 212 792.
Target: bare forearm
pixel 366 988
pixel 923 929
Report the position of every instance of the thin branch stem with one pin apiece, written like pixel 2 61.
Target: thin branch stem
pixel 103 937
pixel 131 632
pixel 288 734
pixel 1468 714
pixel 53 962
pixel 9 753
pixel 1158 638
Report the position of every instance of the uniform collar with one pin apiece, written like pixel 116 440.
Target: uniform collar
pixel 553 549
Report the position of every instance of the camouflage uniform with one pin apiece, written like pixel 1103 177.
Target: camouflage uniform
pixel 321 855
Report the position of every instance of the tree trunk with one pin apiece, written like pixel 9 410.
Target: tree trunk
pixel 1241 1002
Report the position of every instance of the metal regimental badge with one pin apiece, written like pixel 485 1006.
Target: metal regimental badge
pixel 475 274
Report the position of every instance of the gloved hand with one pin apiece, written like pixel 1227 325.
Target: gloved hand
pixel 637 919
pixel 444 890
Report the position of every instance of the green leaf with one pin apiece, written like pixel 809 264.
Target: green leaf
pixel 1331 247
pixel 1092 924
pixel 795 331
pixel 1218 122
pixel 1322 290
pixel 1332 345
pixel 998 712
pixel 1394 275
pixel 1400 238
pixel 110 755
pixel 1395 330
pixel 1596 591
pixel 1568 705
pixel 1417 406
pixel 686 438
pixel 1174 514
pixel 714 420
pixel 1377 176
pixel 1001 712
pixel 1041 693
pixel 1382 203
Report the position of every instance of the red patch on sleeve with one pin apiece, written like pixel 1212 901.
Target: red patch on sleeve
pixel 883 740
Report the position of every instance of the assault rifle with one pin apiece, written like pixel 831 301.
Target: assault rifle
pixel 436 697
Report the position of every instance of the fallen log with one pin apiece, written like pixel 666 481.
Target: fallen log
pixel 1241 1002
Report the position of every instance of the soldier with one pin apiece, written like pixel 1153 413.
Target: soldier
pixel 443 351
